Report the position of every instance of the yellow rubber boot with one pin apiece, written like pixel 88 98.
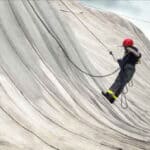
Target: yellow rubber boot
pixel 110 92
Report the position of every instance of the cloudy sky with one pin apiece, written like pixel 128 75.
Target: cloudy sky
pixel 137 11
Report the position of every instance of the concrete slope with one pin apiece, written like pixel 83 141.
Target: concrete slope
pixel 47 103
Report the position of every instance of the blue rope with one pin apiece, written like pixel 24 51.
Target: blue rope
pixel 123 95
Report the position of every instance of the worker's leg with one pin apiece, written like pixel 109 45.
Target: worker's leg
pixel 110 94
pixel 118 83
pixel 123 78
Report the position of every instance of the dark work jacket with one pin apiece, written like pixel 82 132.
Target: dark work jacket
pixel 129 58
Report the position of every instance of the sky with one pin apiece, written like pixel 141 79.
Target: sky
pixel 137 11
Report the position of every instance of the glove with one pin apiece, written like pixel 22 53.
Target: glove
pixel 119 62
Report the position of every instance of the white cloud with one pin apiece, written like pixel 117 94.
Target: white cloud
pixel 137 9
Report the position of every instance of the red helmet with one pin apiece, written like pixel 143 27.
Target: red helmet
pixel 127 42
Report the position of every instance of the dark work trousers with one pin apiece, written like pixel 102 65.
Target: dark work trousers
pixel 125 75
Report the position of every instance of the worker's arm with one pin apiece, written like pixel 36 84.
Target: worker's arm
pixel 136 53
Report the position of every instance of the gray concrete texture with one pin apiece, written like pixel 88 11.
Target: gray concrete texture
pixel 46 103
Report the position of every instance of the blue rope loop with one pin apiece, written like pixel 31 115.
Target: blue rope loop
pixel 130 84
pixel 124 93
pixel 124 99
